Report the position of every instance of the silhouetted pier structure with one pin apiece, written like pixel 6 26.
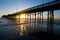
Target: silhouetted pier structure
pixel 38 10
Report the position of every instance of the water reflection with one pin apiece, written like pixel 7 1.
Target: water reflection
pixel 28 24
pixel 22 28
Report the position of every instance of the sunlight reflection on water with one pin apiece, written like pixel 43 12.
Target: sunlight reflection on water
pixel 23 27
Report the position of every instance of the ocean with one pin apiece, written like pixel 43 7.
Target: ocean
pixel 13 29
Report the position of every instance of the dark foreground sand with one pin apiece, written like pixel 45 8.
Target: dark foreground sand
pixel 45 36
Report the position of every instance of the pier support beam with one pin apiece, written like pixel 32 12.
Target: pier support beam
pixel 30 22
pixel 42 17
pixel 50 21
pixel 35 21
pixel 19 18
pixel 42 20
pixel 39 16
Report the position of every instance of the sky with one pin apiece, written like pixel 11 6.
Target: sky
pixel 12 6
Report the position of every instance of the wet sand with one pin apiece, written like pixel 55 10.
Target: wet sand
pixel 46 36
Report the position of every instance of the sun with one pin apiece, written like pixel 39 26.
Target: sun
pixel 22 16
